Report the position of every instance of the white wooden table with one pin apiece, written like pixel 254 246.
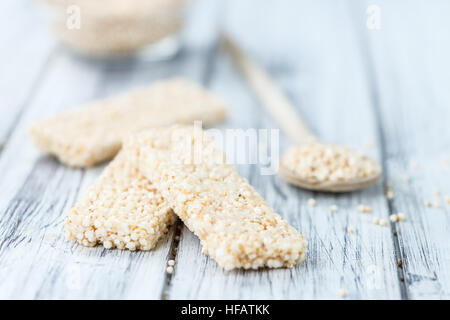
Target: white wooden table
pixel 382 91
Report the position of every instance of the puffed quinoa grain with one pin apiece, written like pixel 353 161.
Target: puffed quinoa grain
pixel 122 209
pixel 390 194
pixel 350 229
pixel 311 202
pixel 382 222
pixel 401 216
pixel 393 218
pixel 342 293
pixel 414 164
pixel 334 208
pixel 375 220
pixel 92 134
pixel 169 270
pixel 236 227
pixel 364 209
pixel 446 161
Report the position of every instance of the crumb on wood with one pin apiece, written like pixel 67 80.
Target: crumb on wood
pixel 342 293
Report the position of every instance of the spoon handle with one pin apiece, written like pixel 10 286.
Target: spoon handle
pixel 270 95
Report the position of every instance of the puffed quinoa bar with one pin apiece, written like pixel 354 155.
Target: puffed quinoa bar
pixel 121 210
pixel 235 225
pixel 94 133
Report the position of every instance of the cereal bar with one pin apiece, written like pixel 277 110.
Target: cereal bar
pixel 235 225
pixel 93 133
pixel 122 209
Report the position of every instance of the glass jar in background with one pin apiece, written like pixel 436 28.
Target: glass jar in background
pixel 117 28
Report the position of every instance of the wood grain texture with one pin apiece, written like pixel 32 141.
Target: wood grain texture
pixel 352 85
pixel 363 263
pixel 38 191
pixel 409 69
pixel 39 195
pixel 26 51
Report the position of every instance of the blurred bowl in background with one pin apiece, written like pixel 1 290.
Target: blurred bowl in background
pixel 117 28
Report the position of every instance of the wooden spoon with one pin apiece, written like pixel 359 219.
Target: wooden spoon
pixel 295 128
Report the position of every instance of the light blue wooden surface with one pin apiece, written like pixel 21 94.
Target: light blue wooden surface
pixel 382 91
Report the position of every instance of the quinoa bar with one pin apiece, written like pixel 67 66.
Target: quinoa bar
pixel 94 133
pixel 235 225
pixel 122 209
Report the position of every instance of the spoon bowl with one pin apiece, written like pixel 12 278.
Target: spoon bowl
pixel 288 174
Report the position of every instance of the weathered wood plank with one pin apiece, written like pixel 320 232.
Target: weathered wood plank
pixel 410 75
pixel 343 78
pixel 30 181
pixel 36 260
pixel 323 86
pixel 26 50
